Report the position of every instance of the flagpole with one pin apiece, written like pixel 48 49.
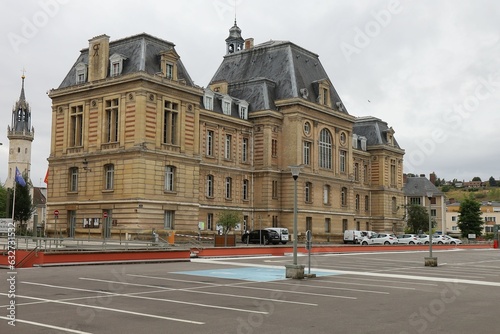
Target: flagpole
pixel 14 201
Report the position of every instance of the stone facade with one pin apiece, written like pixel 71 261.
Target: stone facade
pixel 137 146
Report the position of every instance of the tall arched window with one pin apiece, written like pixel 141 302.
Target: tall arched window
pixel 325 149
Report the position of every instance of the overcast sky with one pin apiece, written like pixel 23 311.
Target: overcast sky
pixel 429 68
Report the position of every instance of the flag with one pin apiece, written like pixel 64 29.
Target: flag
pixel 46 180
pixel 19 178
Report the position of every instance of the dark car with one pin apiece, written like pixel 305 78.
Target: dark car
pixel 261 236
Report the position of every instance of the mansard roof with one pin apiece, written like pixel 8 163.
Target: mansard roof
pixel 142 53
pixel 420 186
pixel 374 130
pixel 274 70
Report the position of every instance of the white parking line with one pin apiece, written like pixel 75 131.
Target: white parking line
pixel 295 292
pixel 39 324
pixel 109 309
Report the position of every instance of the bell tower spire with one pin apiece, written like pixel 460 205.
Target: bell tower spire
pixel 20 134
pixel 234 42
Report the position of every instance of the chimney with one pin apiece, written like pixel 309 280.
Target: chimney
pixel 248 43
pixel 98 57
pixel 432 177
pixel 405 178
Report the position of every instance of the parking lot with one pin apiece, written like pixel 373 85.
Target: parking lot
pixel 381 292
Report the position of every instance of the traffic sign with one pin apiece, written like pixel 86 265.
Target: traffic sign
pixel 105 214
pixel 56 213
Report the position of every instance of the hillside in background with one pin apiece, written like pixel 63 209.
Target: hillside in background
pixel 489 194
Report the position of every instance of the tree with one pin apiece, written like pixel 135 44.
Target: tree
pixel 418 218
pixel 229 219
pixel 492 181
pixel 469 220
pixel 24 207
pixel 3 202
pixel 476 178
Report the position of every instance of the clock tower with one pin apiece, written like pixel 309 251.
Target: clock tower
pixel 20 134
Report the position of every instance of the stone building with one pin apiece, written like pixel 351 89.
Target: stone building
pixel 137 146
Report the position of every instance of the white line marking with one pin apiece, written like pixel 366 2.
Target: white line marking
pixel 62 329
pixel 296 292
pixel 110 309
pixel 301 285
pixel 226 294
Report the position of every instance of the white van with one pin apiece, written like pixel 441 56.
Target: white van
pixel 355 236
pixel 282 232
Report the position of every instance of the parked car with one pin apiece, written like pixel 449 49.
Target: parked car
pixel 264 237
pixel 409 239
pixel 355 236
pixel 380 239
pixel 424 238
pixel 439 239
pixel 453 241
pixel 282 232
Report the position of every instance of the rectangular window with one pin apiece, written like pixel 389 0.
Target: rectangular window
pixel 365 174
pixel 343 196
pixel 345 225
pixel 170 71
pixel 109 171
pixel 274 148
pixel 76 127
pixel 325 96
pixel 226 107
pixel 244 150
pixel 210 221
pixel 210 143
pixel 73 179
pixel 169 220
pixel 112 121
pixel 393 172
pixel 170 123
pixel 245 190
pixel 227 147
pixel 356 172
pixel 367 203
pixel 309 224
pixel 169 178
pixel 453 218
pixel 326 194
pixel 229 186
pixel 357 202
pixel 343 156
pixel 306 156
pixel 243 112
pixel 80 78
pixel 209 103
pixel 308 191
pixel 415 200
pixel 210 186
pixel 115 69
pixel 328 225
pixel 275 189
pixel 433 212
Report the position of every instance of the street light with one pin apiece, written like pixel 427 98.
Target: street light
pixel 295 271
pixel 430 261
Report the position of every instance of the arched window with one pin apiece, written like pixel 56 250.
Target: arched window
pixel 325 149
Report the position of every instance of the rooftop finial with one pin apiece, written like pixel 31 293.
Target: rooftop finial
pixel 23 76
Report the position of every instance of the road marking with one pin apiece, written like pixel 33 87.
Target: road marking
pixel 39 324
pixel 331 288
pixel 171 300
pixel 191 290
pixel 295 292
pixel 110 309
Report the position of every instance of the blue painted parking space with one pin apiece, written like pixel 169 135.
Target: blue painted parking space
pixel 254 274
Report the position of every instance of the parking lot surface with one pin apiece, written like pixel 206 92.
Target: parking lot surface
pixel 382 292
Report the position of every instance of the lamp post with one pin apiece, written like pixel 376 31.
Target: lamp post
pixel 430 261
pixel 295 271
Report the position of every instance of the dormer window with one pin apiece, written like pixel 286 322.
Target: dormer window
pixel 208 99
pixel 363 143
pixel 226 105
pixel 116 64
pixel 243 109
pixel 324 91
pixel 81 73
pixel 354 140
pixel 169 64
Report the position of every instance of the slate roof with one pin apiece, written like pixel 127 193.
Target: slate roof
pixel 271 71
pixel 142 52
pixel 419 186
pixel 373 129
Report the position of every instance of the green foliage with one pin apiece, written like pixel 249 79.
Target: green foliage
pixel 492 181
pixel 446 188
pixel 229 219
pixel 476 178
pixel 3 202
pixel 469 219
pixel 418 218
pixel 24 207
